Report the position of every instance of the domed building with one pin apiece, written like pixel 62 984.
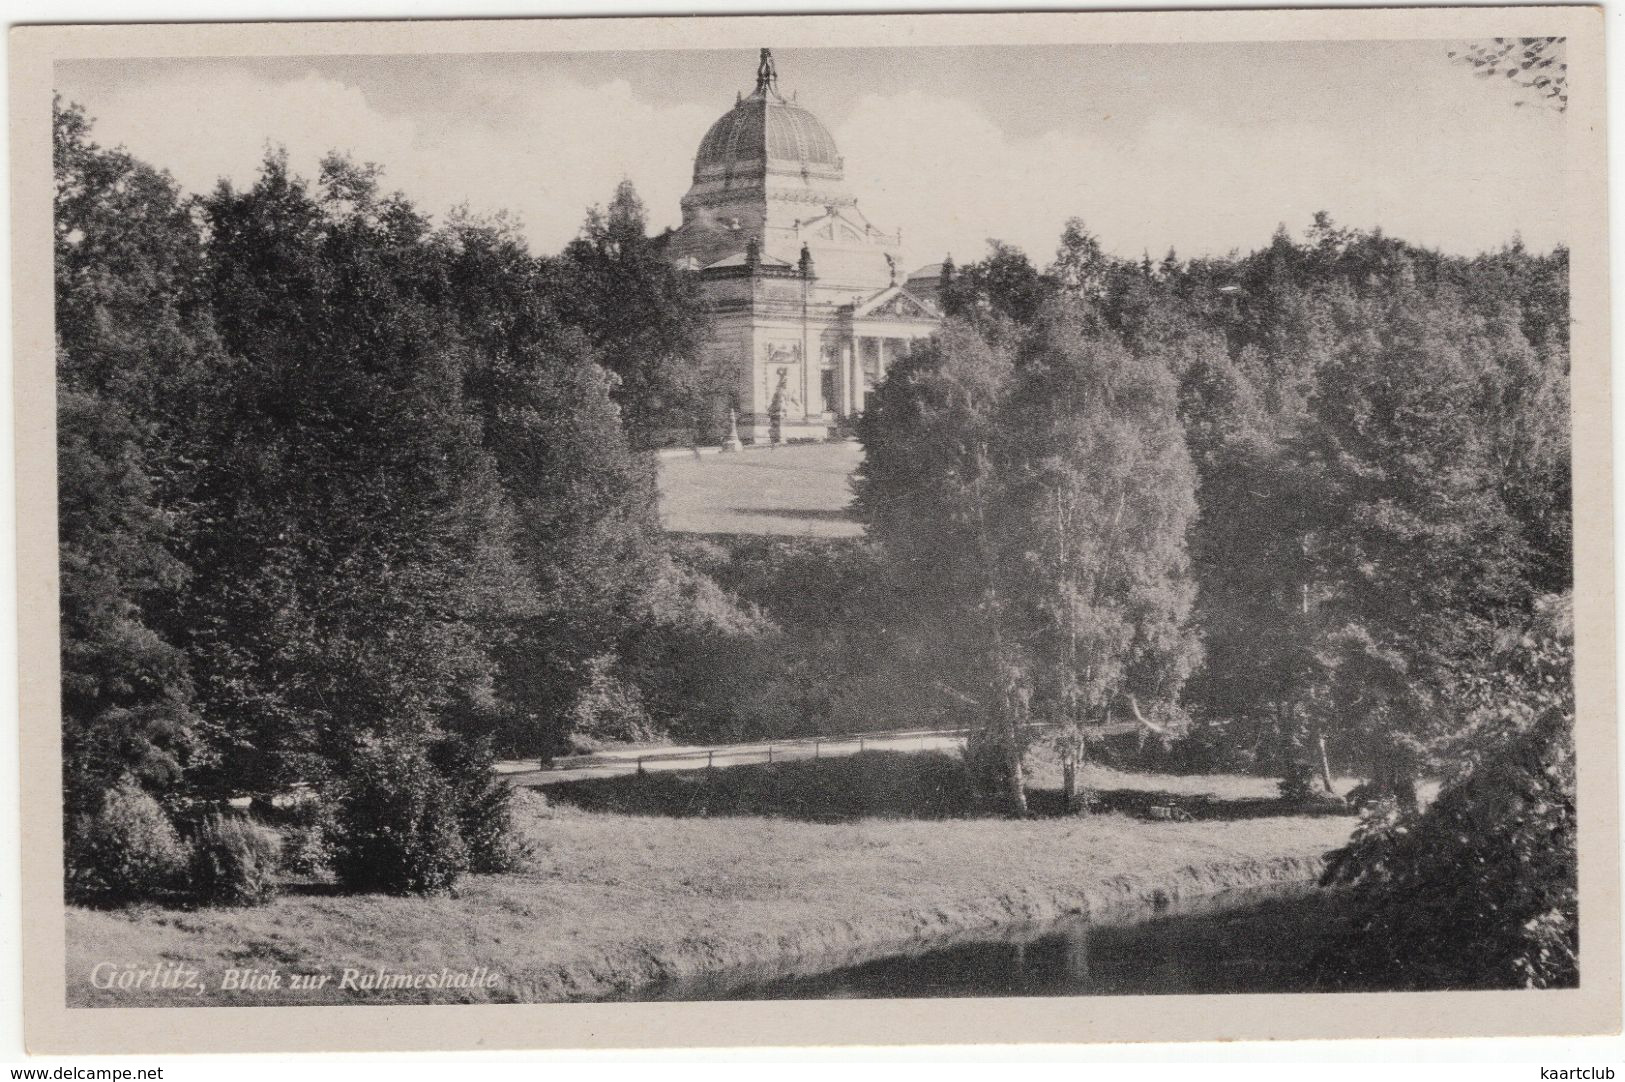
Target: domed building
pixel 809 301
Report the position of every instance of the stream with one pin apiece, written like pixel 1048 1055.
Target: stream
pixel 1253 940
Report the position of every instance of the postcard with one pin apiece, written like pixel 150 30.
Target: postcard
pixel 654 532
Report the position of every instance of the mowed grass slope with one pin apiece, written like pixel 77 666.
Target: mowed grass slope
pixel 614 901
pixel 800 490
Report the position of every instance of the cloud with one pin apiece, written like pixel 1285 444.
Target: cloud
pixel 546 147
pixel 203 130
pixel 553 147
pixel 951 178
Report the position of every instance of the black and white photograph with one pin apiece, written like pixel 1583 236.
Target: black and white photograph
pixel 807 517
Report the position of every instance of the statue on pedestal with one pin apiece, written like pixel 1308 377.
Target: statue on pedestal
pixel 775 413
pixel 732 444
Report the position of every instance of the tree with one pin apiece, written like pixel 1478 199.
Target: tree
pixel 1252 554
pixel 1419 559
pixel 1081 265
pixel 1004 288
pixel 357 550
pixel 644 318
pixel 1534 64
pixel 1096 497
pixel 928 489
pixel 135 352
pixel 588 545
pixel 589 537
pixel 1038 505
pixel 1258 345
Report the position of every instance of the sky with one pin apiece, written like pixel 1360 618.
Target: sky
pixel 1201 148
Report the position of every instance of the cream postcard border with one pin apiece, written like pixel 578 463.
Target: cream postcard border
pixel 51 1027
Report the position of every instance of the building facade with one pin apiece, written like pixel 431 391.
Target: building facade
pixel 809 303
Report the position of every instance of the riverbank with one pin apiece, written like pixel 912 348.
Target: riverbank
pixel 614 901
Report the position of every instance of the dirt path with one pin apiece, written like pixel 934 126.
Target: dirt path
pixel 621 761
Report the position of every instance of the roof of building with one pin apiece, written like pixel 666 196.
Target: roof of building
pixel 767 126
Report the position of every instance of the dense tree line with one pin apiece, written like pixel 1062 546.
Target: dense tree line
pixel 348 501
pixel 1364 476
pixel 1379 435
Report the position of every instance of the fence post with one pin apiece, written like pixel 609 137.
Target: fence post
pixel 860 743
pixel 770 753
pixel 640 764
pixel 815 749
pixel 708 757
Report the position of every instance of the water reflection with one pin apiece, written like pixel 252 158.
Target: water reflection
pixel 1238 941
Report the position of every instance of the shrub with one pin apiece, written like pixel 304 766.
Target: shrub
pixel 986 764
pixel 128 850
pixel 308 830
pixel 485 804
pixel 398 829
pixel 1298 784
pixel 234 861
pixel 1208 745
pixel 1480 889
pixel 608 710
pixel 875 784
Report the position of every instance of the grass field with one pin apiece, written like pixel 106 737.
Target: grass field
pixel 800 490
pixel 615 900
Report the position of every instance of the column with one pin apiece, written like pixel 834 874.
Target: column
pixel 846 376
pixel 857 375
pixel 880 360
pixel 809 368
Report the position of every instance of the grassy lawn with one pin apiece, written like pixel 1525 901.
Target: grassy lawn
pixel 799 490
pixel 614 899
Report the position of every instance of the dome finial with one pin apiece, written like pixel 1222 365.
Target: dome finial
pixel 767 78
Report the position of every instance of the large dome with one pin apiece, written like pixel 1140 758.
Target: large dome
pixel 764 126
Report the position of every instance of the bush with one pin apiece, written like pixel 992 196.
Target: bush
pixel 608 710
pixel 875 784
pixel 986 764
pixel 485 805
pixel 1298 785
pixel 235 861
pixel 398 829
pixel 307 830
pixel 1481 889
pixel 1478 891
pixel 128 850
pixel 1208 745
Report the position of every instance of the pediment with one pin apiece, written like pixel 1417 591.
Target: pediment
pixel 896 303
